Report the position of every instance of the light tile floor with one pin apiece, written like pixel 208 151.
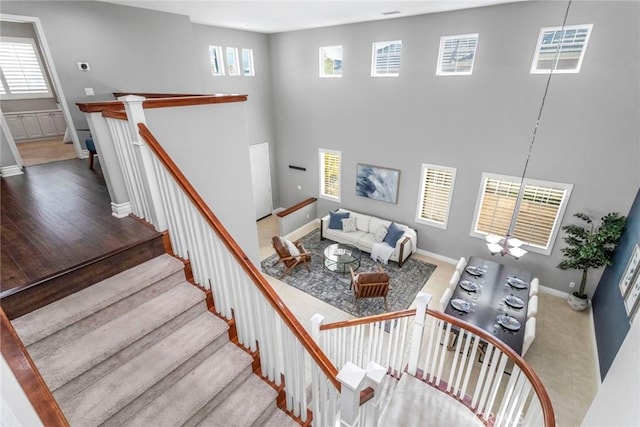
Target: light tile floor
pixel 565 362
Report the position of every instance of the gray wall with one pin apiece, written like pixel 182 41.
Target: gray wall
pixel 128 49
pixel 258 106
pixel 481 123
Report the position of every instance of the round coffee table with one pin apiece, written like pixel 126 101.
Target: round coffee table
pixel 339 257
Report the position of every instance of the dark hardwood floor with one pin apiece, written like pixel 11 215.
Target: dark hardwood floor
pixel 56 217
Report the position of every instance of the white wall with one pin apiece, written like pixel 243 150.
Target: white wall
pixel 617 401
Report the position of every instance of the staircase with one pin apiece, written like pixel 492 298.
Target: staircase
pixel 141 349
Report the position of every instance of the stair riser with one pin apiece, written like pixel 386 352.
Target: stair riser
pixel 119 418
pixel 218 398
pixel 53 342
pixel 87 378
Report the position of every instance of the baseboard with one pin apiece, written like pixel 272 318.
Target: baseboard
pixel 554 292
pixel 11 170
pixel 437 256
pixel 120 210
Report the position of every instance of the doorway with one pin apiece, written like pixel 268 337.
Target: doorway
pixel 261 179
pixel 37 119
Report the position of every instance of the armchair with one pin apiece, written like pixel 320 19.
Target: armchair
pixel 372 284
pixel 287 255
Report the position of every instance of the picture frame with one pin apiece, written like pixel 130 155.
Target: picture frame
pixel 377 183
pixel 632 300
pixel 632 269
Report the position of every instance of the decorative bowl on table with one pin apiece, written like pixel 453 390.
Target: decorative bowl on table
pixel 461 305
pixel 468 285
pixel 474 271
pixel 517 283
pixel 508 322
pixel 514 301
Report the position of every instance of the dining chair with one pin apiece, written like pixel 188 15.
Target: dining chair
pixel 532 309
pixel 529 334
pixel 534 286
pixel 455 277
pixel 462 263
pixel 446 296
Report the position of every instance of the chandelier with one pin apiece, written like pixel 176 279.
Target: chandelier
pixel 508 244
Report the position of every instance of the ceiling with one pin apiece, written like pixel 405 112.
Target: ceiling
pixel 266 16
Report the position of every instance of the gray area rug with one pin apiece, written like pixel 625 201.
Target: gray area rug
pixel 333 288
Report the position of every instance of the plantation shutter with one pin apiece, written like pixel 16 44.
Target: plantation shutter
pixel 330 180
pixel 538 214
pixel 21 70
pixel 436 195
pixel 499 199
pixel 387 58
pixel 457 54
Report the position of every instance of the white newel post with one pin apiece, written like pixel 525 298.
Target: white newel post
pixel 110 165
pixel 422 301
pixel 135 115
pixel 376 375
pixel 352 379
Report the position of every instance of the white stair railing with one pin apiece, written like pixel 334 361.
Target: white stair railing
pixel 454 357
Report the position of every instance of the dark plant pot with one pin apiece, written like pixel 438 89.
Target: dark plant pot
pixel 577 302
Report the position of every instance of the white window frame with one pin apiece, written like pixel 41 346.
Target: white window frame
pixel 441 53
pixel 217 60
pixel 376 46
pixel 233 64
pixel 536 55
pixel 324 52
pixel 323 179
pixel 249 58
pixel 31 94
pixel 526 182
pixel 426 168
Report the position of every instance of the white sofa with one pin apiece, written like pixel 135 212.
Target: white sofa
pixel 364 237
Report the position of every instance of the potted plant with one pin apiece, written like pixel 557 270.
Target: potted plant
pixel 588 247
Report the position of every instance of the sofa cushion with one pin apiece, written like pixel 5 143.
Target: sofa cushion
pixel 349 225
pixel 394 233
pixel 380 234
pixel 362 221
pixel 375 223
pixel 335 219
pixel 341 236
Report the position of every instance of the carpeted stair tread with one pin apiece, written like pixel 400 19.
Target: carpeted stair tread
pixel 56 316
pixel 256 400
pixel 417 403
pixel 131 387
pixel 81 354
pixel 214 379
pixel 279 419
pixel 51 343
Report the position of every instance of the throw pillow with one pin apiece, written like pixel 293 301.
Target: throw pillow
pixel 293 250
pixel 381 233
pixel 349 225
pixel 394 233
pixel 335 219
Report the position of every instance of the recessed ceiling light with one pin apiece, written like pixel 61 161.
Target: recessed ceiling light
pixel 392 12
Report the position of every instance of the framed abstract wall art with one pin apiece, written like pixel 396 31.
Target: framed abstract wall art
pixel 377 183
pixel 632 268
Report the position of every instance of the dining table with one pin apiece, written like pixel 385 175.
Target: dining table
pixel 491 290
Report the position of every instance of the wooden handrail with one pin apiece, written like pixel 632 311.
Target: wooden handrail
pixel 369 319
pixel 120 115
pixel 28 376
pixel 157 94
pixel 258 279
pixel 536 383
pixel 296 207
pixel 182 101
